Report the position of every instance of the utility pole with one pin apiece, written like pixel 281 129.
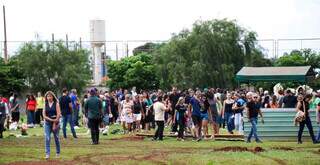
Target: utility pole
pixel 117 56
pixel 127 50
pixel 5 36
pixel 67 42
pixel 52 43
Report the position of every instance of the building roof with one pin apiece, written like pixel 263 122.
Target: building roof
pixel 291 73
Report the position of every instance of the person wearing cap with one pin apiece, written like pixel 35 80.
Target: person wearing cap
pixel 93 111
pixel 66 112
pixel 252 110
pixel 4 110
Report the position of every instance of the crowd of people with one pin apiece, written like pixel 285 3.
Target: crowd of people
pixel 191 112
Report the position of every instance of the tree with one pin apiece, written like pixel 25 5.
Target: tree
pixel 52 66
pixel 138 71
pixel 146 48
pixel 11 78
pixel 207 55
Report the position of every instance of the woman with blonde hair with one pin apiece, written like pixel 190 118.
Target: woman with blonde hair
pixel 51 115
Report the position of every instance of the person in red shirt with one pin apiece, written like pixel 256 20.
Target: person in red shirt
pixel 31 106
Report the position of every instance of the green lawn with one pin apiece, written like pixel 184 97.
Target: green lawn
pixel 117 149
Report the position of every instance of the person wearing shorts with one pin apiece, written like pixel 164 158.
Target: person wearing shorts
pixel 195 111
pixel 137 112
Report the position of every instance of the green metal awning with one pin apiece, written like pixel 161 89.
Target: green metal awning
pixel 278 74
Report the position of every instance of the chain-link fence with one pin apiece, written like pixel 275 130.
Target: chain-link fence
pixel 272 48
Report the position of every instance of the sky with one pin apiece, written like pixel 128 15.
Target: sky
pixel 158 19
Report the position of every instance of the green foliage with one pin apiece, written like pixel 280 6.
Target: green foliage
pixel 300 58
pixel 138 71
pixel 11 78
pixel 146 48
pixel 49 66
pixel 208 55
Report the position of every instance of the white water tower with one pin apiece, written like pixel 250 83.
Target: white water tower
pixel 97 38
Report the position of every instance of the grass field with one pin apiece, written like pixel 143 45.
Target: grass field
pixel 120 149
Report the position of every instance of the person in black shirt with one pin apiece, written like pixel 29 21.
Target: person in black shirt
pixel 253 109
pixel 180 111
pixel 173 98
pixel 66 112
pixel 303 105
pixel 289 100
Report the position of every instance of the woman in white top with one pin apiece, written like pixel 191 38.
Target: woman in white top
pixel 126 113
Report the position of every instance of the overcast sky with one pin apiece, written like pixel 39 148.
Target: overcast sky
pixel 157 19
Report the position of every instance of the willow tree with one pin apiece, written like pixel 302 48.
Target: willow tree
pixel 207 55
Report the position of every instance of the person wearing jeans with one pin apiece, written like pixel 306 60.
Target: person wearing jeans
pixel 31 105
pixel 66 111
pixel 253 109
pixel 93 111
pixel 75 107
pixel 51 116
pixel 228 113
pixel 318 121
pixel 303 105
pixel 68 119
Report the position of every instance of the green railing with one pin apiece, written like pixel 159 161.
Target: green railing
pixel 279 125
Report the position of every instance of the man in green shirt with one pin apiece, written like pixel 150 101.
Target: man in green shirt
pixel 93 111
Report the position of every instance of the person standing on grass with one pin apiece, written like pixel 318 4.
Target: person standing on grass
pixel 238 108
pixel 204 113
pixel 31 106
pixel 66 111
pixel 173 98
pixel 51 115
pixel 4 110
pixel 149 116
pixel 75 108
pixel 138 113
pixel 93 111
pixel 318 119
pixel 194 111
pixel 303 105
pixel 159 111
pixel 180 111
pixel 15 109
pixel 253 109
pixel 228 113
pixel 40 107
pixel 213 113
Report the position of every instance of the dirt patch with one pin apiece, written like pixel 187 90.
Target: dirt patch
pixel 240 149
pixel 283 148
pixel 53 162
pixel 279 161
pixel 130 138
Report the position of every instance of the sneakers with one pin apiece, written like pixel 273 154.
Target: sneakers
pixel 57 155
pixel 76 127
pixel 47 157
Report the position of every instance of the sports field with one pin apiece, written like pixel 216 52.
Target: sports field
pixel 121 149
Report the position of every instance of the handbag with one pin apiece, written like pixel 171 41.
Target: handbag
pixel 300 115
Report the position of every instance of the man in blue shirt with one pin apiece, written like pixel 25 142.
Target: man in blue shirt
pixel 194 110
pixel 66 112
pixel 75 108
